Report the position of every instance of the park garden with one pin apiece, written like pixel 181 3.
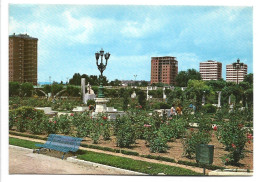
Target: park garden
pixel 142 131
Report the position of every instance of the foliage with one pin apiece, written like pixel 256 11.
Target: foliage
pixel 47 89
pixel 55 88
pixel 249 78
pixel 124 131
pixel 184 76
pixel 73 91
pixel 142 98
pixel 63 123
pixel 209 108
pixel 81 122
pixel 14 89
pixel 192 140
pixel 27 118
pixel 26 89
pixel 233 136
pixel 125 102
pixel 196 89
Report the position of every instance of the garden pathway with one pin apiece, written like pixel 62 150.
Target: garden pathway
pixel 196 169
pixel 24 161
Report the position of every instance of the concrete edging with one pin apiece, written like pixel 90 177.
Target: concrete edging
pixel 20 148
pixel 82 162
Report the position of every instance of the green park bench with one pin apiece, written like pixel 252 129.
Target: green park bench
pixel 61 143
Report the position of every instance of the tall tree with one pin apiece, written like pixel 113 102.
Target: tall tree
pixel 184 76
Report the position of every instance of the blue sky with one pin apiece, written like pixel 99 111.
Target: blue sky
pixel 69 36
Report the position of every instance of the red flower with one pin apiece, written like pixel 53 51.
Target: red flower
pixel 233 145
pixel 191 129
pixel 249 141
pixel 101 124
pixel 71 114
pixel 54 122
pixel 215 128
pixel 104 118
pixel 30 118
pixel 227 159
pixel 140 107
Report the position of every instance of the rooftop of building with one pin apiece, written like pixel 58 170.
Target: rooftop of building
pixel 25 36
pixel 210 61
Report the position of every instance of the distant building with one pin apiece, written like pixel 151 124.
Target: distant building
pixel 23 58
pixel 235 75
pixel 210 70
pixel 164 70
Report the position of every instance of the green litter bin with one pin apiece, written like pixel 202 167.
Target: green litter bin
pixel 204 154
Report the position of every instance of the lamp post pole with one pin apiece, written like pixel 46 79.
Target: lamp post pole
pixel 101 67
pixel 237 65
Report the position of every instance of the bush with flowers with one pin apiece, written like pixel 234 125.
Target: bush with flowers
pixel 81 123
pixel 234 137
pixel 51 126
pixel 192 140
pixel 27 118
pixel 124 131
pixel 63 123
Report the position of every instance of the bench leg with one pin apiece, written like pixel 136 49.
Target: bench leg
pixel 63 155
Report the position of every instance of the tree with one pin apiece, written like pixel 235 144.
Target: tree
pixel 217 85
pixel 26 89
pixel 14 89
pixel 125 102
pixel 75 80
pixel 141 98
pixel 47 88
pixel 249 78
pixel 196 89
pixel 55 88
pixel 184 76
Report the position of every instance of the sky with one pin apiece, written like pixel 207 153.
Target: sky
pixel 69 35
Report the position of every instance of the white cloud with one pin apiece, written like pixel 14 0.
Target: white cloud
pixel 140 28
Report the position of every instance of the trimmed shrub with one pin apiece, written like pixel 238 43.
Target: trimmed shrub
pixel 209 108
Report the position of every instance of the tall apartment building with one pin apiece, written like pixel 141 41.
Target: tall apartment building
pixel 23 58
pixel 211 70
pixel 164 70
pixel 235 75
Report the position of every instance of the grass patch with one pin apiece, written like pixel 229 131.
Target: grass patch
pixel 207 166
pixel 127 152
pixel 135 165
pixel 22 143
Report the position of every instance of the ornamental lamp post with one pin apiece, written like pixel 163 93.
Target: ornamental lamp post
pixel 237 65
pixel 101 68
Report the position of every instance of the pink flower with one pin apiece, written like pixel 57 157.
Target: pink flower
pixel 233 145
pixel 71 114
pixel 227 159
pixel 54 122
pixel 161 121
pixel 213 135
pixel 140 107
pixel 30 118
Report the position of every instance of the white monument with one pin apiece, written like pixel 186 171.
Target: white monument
pixel 219 98
pixel 133 95
pixel 90 95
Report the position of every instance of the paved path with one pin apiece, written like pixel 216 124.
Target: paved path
pixel 24 161
pixel 196 169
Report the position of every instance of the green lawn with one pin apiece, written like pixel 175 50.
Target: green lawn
pixel 22 143
pixel 120 162
pixel 135 165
